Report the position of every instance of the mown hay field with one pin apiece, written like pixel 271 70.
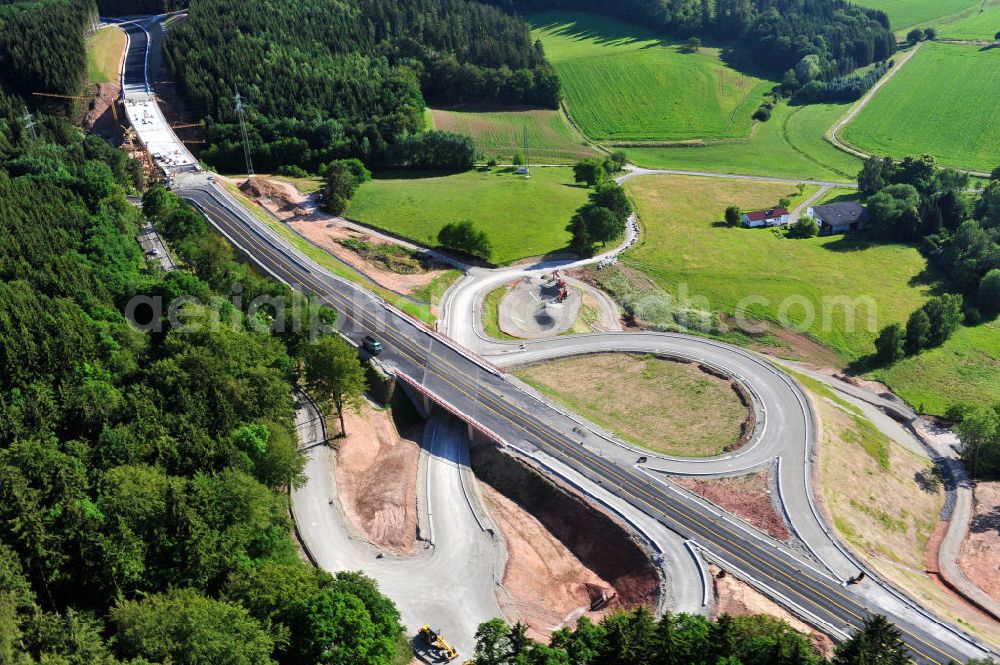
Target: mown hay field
pixel 944 102
pixel 908 13
pixel 500 133
pixel 623 83
pixel 979 22
pixel 789 145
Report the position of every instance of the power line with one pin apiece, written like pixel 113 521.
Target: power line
pixel 29 125
pixel 527 169
pixel 243 131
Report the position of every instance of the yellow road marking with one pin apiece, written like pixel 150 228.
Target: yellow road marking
pixel 538 431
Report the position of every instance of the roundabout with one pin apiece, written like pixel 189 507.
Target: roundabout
pixel 539 306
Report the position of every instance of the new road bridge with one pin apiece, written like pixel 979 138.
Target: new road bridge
pixel 483 396
pixel 490 401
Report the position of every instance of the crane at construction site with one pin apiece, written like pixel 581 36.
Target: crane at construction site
pixel 114 104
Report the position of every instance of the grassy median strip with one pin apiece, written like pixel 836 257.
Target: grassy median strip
pixel 491 314
pixel 668 407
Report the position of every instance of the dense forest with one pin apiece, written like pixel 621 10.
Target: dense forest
pixel 329 79
pixel 636 638
pixel 326 80
pixel 780 33
pixel 132 7
pixel 911 200
pixel 143 475
pixel 42 44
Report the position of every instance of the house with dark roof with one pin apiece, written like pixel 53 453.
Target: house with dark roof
pixel 771 217
pixel 838 217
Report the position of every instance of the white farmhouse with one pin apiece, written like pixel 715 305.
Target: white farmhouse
pixel 772 217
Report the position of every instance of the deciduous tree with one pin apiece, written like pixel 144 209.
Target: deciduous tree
pixel 334 375
pixel 184 627
pixel 590 171
pixel 889 345
pixel 733 215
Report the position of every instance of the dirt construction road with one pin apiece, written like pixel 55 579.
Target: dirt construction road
pixel 451 581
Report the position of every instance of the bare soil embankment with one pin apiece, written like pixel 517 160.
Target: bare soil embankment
pixel 748 497
pixel 876 494
pixel 300 212
pixel 565 556
pixel 377 478
pixel 98 116
pixel 980 559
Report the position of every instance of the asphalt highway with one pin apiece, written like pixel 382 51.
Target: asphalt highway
pixel 482 394
pixel 472 387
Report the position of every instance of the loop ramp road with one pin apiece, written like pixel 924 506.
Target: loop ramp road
pixel 474 388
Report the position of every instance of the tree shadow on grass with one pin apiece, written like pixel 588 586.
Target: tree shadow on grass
pixel 988 522
pixel 851 242
pixel 740 58
pixel 412 175
pixel 608 31
pixel 843 198
pixel 864 365
pixel 602 30
pixel 931 281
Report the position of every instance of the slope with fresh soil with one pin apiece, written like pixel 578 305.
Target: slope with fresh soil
pixel 548 585
pixel 598 541
pixel 748 497
pixel 377 478
pixel 882 501
pixel 980 559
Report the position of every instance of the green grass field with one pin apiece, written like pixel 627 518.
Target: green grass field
pixel 683 246
pixel 331 264
pixel 789 145
pixel 944 102
pixel 624 83
pixel 104 54
pixel 905 14
pixel 523 217
pixel 966 368
pixel 980 22
pixel 499 134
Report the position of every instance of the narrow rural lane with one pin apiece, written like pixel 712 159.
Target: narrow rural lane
pixel 486 398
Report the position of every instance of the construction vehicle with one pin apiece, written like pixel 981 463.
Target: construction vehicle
pixel 437 643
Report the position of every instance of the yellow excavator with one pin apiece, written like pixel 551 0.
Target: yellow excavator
pixel 437 642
